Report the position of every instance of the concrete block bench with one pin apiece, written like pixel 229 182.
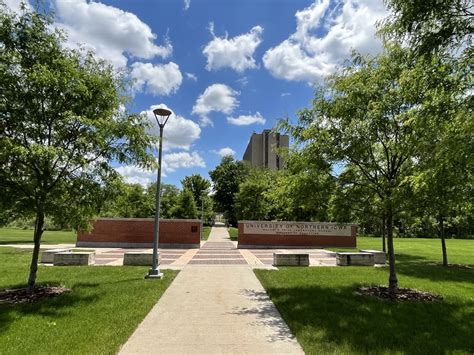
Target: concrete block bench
pixel 47 256
pixel 82 258
pixel 139 258
pixel 379 256
pixel 359 259
pixel 290 259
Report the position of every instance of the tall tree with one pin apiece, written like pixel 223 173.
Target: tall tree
pixel 185 207
pixel 227 177
pixel 60 126
pixel 366 116
pixel 198 186
pixel 302 190
pixel 169 199
pixel 252 201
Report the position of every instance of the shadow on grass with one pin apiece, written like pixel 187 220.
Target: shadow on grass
pixel 54 307
pixel 14 242
pixel 335 319
pixel 420 267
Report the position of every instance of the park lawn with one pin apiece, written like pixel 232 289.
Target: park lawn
pixel 105 306
pixel 25 236
pixel 234 233
pixel 460 251
pixel 321 308
pixel 205 232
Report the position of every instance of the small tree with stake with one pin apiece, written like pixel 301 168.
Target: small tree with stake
pixel 60 126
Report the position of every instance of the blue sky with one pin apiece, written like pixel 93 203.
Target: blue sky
pixel 225 68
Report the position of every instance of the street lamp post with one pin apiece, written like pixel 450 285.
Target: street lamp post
pixel 161 115
pixel 202 213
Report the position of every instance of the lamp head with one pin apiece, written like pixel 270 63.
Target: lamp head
pixel 161 115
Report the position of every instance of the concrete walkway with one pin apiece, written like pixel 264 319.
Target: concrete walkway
pixel 220 309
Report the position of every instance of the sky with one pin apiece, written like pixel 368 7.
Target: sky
pixel 226 68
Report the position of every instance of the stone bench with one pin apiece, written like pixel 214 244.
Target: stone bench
pixel 139 258
pixel 82 258
pixel 290 259
pixel 359 259
pixel 47 256
pixel 379 256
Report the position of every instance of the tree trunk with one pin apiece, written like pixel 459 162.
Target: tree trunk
pixel 384 248
pixel 443 241
pixel 39 227
pixel 392 280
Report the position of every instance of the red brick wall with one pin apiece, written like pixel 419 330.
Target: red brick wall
pixel 295 241
pixel 140 231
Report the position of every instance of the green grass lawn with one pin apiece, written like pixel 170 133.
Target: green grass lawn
pixel 105 306
pixel 24 236
pixel 322 310
pixel 205 232
pixel 460 251
pixel 234 233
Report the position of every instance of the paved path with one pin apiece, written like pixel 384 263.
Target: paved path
pixel 218 250
pixel 214 310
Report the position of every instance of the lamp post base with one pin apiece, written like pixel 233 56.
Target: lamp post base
pixel 154 274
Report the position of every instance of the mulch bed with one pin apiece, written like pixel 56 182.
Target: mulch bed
pixel 21 296
pixel 403 294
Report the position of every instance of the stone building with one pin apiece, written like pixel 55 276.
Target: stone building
pixel 261 149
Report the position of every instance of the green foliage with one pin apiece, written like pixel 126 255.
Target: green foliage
pixel 61 123
pixel 198 186
pixel 251 201
pixel 185 207
pixel 226 178
pixel 200 189
pixel 169 199
pixel 302 190
pixel 431 25
pixel 61 126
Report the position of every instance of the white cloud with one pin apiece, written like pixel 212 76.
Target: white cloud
pixel 135 175
pixel 191 76
pixel 305 56
pixel 187 3
pixel 245 120
pixel 112 33
pixel 182 160
pixel 179 132
pixel 283 94
pixel 243 81
pixel 158 79
pixel 171 162
pixel 236 52
pixel 217 98
pixel 225 151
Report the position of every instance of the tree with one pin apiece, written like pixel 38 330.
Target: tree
pixel 169 199
pixel 227 177
pixel 60 126
pixel 128 201
pixel 198 186
pixel 251 201
pixel 302 190
pixel 443 180
pixel 367 116
pixel 185 207
pixel 431 25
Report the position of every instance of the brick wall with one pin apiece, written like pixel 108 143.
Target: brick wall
pixel 295 241
pixel 138 232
